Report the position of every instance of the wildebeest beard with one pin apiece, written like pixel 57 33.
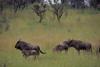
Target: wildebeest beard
pixel 23 45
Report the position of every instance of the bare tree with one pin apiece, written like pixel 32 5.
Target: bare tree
pixel 4 63
pixel 94 3
pixel 4 21
pixel 58 9
pixel 21 4
pixel 78 4
pixel 5 3
pixel 40 10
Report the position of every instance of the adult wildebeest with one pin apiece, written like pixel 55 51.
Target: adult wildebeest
pixel 79 45
pixel 60 47
pixel 27 53
pixel 23 45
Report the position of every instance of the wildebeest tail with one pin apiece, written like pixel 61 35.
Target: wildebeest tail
pixel 91 48
pixel 41 51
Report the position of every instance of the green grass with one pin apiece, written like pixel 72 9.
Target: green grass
pixel 24 25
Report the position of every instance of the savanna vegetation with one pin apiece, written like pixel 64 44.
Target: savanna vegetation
pixel 74 24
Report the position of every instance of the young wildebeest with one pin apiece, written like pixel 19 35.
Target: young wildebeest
pixel 60 47
pixel 79 45
pixel 57 49
pixel 27 53
pixel 23 45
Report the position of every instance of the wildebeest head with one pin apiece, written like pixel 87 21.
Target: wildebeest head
pixel 69 42
pixel 66 42
pixel 17 44
pixel 63 46
pixel 73 42
pixel 21 45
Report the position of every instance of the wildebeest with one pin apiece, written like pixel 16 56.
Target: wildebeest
pixel 79 45
pixel 27 53
pixel 23 45
pixel 57 49
pixel 61 46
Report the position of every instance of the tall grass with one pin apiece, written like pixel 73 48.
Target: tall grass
pixel 24 25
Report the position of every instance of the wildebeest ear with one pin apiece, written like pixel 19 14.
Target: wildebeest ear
pixel 72 39
pixel 68 39
pixel 19 39
pixel 65 42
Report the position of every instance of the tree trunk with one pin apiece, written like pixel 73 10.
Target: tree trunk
pixel 40 19
pixel 5 22
pixel 58 18
pixel 1 6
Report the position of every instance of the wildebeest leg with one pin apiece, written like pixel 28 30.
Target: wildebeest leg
pixel 87 51
pixel 26 56
pixel 66 51
pixel 79 52
pixel 23 55
pixel 54 49
pixel 91 50
pixel 34 56
pixel 37 56
pixel 57 50
pixel 60 51
pixel 84 52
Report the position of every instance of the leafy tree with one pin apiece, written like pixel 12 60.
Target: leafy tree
pixel 58 9
pixel 5 3
pixel 64 1
pixel 78 4
pixel 21 4
pixel 95 3
pixel 40 10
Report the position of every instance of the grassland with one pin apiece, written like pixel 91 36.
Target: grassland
pixel 78 24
